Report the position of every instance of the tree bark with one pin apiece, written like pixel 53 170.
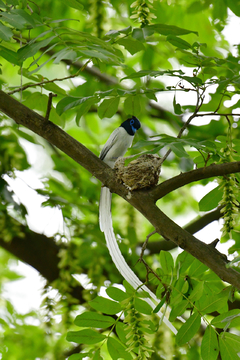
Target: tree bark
pixel 40 252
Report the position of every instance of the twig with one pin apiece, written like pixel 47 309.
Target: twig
pixel 214 243
pixel 151 271
pixel 49 105
pixel 200 99
pixel 145 244
pixel 215 114
pixel 218 107
pixel 48 81
pixel 41 83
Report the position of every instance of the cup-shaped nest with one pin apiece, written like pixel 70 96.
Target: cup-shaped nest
pixel 140 173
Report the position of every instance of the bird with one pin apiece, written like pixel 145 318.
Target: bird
pixel 117 144
pixel 119 141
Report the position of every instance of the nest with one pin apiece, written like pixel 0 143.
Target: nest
pixel 140 173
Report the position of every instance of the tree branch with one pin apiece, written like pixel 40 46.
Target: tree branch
pixel 191 176
pixel 154 247
pixel 144 201
pixel 40 252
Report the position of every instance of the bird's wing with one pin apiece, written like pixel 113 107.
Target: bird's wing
pixel 110 142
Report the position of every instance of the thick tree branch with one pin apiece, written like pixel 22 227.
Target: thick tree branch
pixel 144 201
pixel 154 247
pixel 57 137
pixel 202 221
pixel 40 252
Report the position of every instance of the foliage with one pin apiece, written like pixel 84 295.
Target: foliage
pixel 106 60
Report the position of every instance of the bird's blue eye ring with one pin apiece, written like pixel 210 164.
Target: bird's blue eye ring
pixel 131 122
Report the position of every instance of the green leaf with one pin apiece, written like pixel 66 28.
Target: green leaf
pixel 70 102
pixel 131 45
pixel 197 6
pixel 5 33
pixel 42 53
pixel 188 329
pixel 211 200
pixel 194 80
pixel 232 339
pixel 209 70
pixel 178 42
pixel 78 356
pixel 209 346
pixel 106 306
pixel 166 261
pixel 197 268
pixel 93 319
pixel 86 336
pixel 117 350
pixel 97 355
pixel 178 149
pixel 2 5
pixel 83 109
pixel 229 318
pixel 66 54
pixel 75 4
pixel 215 302
pixel 142 306
pixel 15 20
pixel 27 19
pixel 138 34
pixel 177 107
pixel 31 49
pixel 54 88
pixel 197 291
pixel 178 310
pixel 132 105
pixel 114 33
pixel 229 346
pixel 129 289
pixel 9 55
pixel 138 74
pixel 184 261
pixel 101 53
pixel 152 73
pixel 234 5
pixel 126 30
pixel 120 329
pixel 164 29
pixel 158 307
pixel 108 107
pixel 116 294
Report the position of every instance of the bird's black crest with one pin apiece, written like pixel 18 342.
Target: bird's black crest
pixel 131 125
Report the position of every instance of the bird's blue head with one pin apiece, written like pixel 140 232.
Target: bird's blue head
pixel 131 125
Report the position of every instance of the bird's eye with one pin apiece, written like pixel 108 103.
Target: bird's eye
pixel 131 122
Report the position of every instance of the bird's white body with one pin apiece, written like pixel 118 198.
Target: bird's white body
pixel 117 144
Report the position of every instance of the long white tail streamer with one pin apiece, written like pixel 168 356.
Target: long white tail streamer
pixel 105 222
